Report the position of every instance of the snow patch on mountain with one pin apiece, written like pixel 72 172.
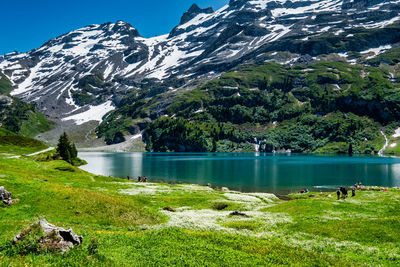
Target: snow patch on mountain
pixel 316 7
pixel 381 24
pixel 204 43
pixel 93 113
pixel 376 51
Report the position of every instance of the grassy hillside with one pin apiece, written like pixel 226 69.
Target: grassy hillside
pixel 5 85
pixel 14 144
pixel 320 107
pixel 127 225
pixel 20 117
pixel 23 118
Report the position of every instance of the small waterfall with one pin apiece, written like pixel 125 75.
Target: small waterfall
pixel 256 144
pixel 380 153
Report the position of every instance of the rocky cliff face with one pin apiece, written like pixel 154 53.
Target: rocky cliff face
pixel 81 75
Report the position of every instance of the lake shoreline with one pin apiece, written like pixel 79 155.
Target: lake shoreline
pixel 280 195
pixel 249 172
pixel 123 148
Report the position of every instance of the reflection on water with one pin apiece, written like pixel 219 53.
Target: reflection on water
pixel 247 171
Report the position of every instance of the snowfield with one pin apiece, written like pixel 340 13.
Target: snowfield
pixel 94 113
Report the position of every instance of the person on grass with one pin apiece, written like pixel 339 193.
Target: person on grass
pixel 344 191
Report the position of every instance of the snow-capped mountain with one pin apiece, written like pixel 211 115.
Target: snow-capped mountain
pixel 78 75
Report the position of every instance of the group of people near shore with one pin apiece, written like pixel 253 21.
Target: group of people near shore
pixel 139 178
pixel 358 186
pixel 343 190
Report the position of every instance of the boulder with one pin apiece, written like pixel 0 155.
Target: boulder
pixel 238 213
pixel 50 237
pixel 5 196
pixel 169 209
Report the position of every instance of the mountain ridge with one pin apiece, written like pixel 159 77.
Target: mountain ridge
pixel 92 69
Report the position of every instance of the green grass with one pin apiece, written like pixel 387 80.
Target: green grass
pixel 5 85
pixel 36 123
pixel 369 220
pixel 21 117
pixel 395 150
pixel 176 247
pixel 336 147
pixel 130 227
pixel 13 144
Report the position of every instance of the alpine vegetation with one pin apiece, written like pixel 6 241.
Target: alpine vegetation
pixel 109 71
pixel 263 76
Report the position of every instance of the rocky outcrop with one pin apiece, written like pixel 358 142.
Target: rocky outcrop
pixel 5 196
pixel 193 11
pixel 50 237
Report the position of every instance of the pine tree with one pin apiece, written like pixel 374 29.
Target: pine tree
pixel 66 149
pixel 74 151
pixel 63 145
pixel 68 157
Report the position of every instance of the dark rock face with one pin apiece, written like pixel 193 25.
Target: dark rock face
pixel 193 11
pixel 5 196
pixel 54 238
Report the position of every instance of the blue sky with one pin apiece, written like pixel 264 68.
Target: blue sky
pixel 27 24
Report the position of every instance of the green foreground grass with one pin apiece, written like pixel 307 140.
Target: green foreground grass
pixel 131 228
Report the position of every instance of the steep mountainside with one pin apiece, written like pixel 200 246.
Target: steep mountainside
pixel 17 116
pixel 322 107
pixel 82 75
pixel 95 64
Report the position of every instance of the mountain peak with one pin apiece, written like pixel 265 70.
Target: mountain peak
pixel 125 28
pixel 193 11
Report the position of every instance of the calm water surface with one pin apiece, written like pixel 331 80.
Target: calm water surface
pixel 249 171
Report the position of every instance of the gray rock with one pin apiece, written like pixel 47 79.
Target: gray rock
pixel 54 238
pixel 5 196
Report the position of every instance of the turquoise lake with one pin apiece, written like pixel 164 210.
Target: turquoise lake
pixel 253 172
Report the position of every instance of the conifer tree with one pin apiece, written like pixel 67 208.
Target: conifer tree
pixel 63 145
pixel 66 149
pixel 74 151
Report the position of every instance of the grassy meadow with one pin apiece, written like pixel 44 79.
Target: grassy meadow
pixel 124 223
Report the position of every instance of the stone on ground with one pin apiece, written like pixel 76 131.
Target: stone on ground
pixel 5 196
pixel 50 237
